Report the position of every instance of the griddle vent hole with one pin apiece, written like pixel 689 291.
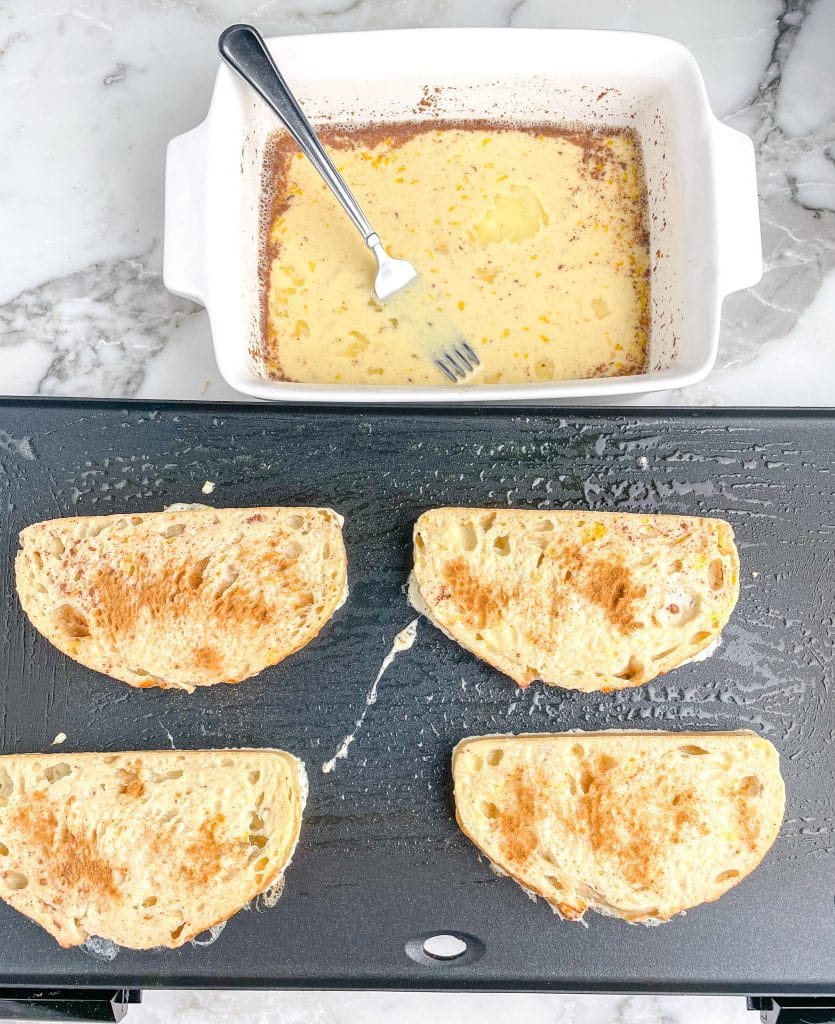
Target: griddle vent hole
pixel 444 947
pixel 445 950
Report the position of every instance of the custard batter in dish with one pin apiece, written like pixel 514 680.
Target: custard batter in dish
pixel 531 243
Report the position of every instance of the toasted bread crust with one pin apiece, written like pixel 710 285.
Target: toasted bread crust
pixel 638 825
pixel 145 848
pixel 583 600
pixel 184 598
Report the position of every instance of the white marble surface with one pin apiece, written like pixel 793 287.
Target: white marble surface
pixel 427 1008
pixel 91 92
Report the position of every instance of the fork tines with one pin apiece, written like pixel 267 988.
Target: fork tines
pixel 457 361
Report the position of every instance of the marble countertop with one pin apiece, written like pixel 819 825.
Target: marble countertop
pixel 94 89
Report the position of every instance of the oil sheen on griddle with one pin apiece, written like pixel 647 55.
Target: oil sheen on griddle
pixel 531 244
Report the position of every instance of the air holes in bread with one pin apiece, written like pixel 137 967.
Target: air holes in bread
pixel 540 559
pixel 555 883
pixel 487 521
pixel 149 901
pixel 502 545
pixel 131 784
pixel 419 540
pixel 15 880
pixel 700 637
pixel 254 777
pixel 494 757
pixel 491 811
pixel 56 545
pixel 585 780
pixel 195 575
pixel 71 622
pixel 678 565
pixel 544 526
pixel 469 537
pixel 256 832
pixel 178 932
pixel 136 520
pixel 168 776
pixel 751 786
pixel 633 671
pixel 716 574
pixel 174 530
pixel 665 654
pixel 726 876
pixel 6 786
pixel 4 850
pixel 293 549
pixel 691 750
pixel 296 522
pixel 57 771
pixel 37 558
pixel 226 763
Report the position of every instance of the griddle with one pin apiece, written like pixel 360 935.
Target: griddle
pixel 381 863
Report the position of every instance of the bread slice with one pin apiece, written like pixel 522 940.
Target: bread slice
pixel 183 598
pixel 148 848
pixel 583 600
pixel 638 825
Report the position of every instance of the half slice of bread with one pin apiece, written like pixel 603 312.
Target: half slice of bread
pixel 583 600
pixel 183 598
pixel 148 848
pixel 638 825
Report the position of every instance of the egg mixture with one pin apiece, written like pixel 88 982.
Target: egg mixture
pixel 531 243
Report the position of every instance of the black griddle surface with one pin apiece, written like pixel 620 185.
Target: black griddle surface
pixel 381 861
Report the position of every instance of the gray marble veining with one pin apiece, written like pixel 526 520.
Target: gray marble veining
pixel 99 326
pixel 796 173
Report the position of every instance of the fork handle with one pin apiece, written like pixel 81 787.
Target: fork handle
pixel 244 50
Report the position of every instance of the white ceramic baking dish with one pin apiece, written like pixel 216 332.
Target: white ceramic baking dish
pixel 702 191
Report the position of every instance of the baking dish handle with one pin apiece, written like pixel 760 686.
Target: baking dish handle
pixel 184 250
pixel 740 257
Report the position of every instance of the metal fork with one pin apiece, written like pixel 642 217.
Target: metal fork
pixel 244 50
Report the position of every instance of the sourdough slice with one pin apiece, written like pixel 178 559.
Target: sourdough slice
pixel 583 600
pixel 183 598
pixel 147 848
pixel 638 825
